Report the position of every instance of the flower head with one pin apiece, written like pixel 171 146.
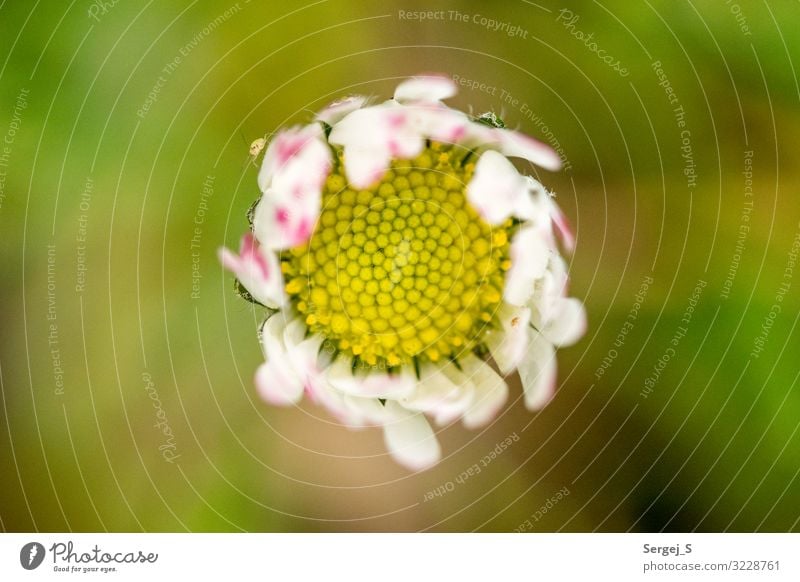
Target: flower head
pixel 408 266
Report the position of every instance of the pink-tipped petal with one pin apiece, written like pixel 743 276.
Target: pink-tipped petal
pixel 300 179
pixel 427 89
pixel 440 123
pixel 372 136
pixel 284 222
pixel 277 384
pixel 538 373
pixel 284 145
pixel 297 159
pixel 338 110
pixel 258 270
pixel 519 145
pixel 530 255
pixel 410 439
pixel 293 173
pixel 496 187
pixel 563 228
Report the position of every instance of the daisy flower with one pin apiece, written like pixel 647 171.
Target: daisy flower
pixel 406 267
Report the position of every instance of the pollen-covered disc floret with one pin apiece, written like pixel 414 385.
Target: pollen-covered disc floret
pixel 407 266
pixel 403 269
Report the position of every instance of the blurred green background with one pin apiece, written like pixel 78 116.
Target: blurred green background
pixel 117 117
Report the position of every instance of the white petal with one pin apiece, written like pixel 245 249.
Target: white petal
pixel 496 187
pixel 365 411
pixel 409 438
pixel 549 290
pixel 365 166
pixel 283 222
pixel 519 145
pixel 339 109
pixel 530 254
pixel 433 388
pixel 258 270
pixel 491 392
pixel 303 354
pixel 360 127
pixel 442 391
pixel 372 384
pixel 561 319
pixel 271 336
pixel 480 135
pixel 536 207
pixel 351 411
pixel 567 322
pixel 275 379
pixel 429 89
pixel 538 373
pixel 509 344
pixel 294 333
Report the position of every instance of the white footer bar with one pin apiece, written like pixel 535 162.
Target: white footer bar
pixel 407 557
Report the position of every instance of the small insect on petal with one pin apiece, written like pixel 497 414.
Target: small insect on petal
pixel 257 146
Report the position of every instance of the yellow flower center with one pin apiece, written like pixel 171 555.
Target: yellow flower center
pixel 403 271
